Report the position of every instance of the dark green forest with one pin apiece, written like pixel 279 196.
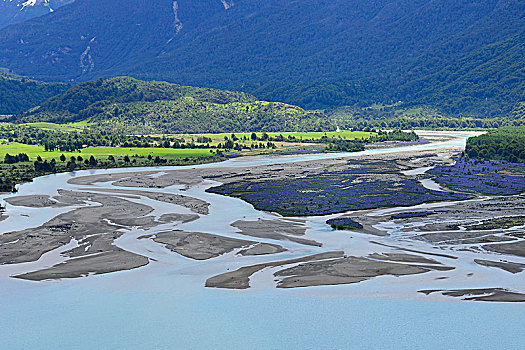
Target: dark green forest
pixel 19 94
pixel 503 144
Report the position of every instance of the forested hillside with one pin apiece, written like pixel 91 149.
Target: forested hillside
pixel 461 56
pixel 19 94
pixel 140 107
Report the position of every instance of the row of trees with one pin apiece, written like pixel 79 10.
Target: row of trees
pixel 21 157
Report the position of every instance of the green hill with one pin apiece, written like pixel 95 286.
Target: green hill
pixel 141 107
pixel 19 94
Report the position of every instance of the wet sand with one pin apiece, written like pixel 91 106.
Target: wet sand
pixel 345 271
pixel 203 246
pixel 35 201
pixel 275 229
pixel 196 205
pixel 105 262
pixel 504 265
pixel 240 279
pixel 484 294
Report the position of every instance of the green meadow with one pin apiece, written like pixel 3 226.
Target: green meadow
pixel 33 151
pixel 78 126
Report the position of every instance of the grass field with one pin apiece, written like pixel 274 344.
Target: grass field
pixel 79 126
pixel 34 151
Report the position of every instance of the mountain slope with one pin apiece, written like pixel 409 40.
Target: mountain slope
pixel 16 11
pixel 133 106
pixel 376 47
pixel 490 79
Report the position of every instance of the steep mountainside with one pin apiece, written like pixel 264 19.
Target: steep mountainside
pixel 16 11
pixel 363 51
pixel 19 94
pixel 135 106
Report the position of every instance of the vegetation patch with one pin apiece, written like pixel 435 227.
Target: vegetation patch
pixel 482 176
pixel 412 214
pixel 344 224
pixel 498 223
pixel 506 144
pixel 335 192
pixel 133 106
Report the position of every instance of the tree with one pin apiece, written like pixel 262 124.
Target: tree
pixel 126 159
pixel 62 158
pixel 9 159
pixel 71 165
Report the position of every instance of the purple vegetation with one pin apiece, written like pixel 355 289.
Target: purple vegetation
pixel 412 214
pixel 479 176
pixel 332 192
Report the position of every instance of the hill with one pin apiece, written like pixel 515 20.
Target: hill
pixel 19 94
pixel 132 106
pixel 313 53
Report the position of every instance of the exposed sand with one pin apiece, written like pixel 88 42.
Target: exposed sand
pixel 262 249
pixel 517 248
pixel 511 267
pixel 240 279
pixel 93 179
pixel 275 229
pixel 344 271
pixel 196 205
pixel 202 246
pixel 105 262
pixel 400 257
pixel 183 218
pixel 35 201
pixel 95 228
pixel 484 294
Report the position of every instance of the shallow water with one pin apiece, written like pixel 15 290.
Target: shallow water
pixel 164 305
